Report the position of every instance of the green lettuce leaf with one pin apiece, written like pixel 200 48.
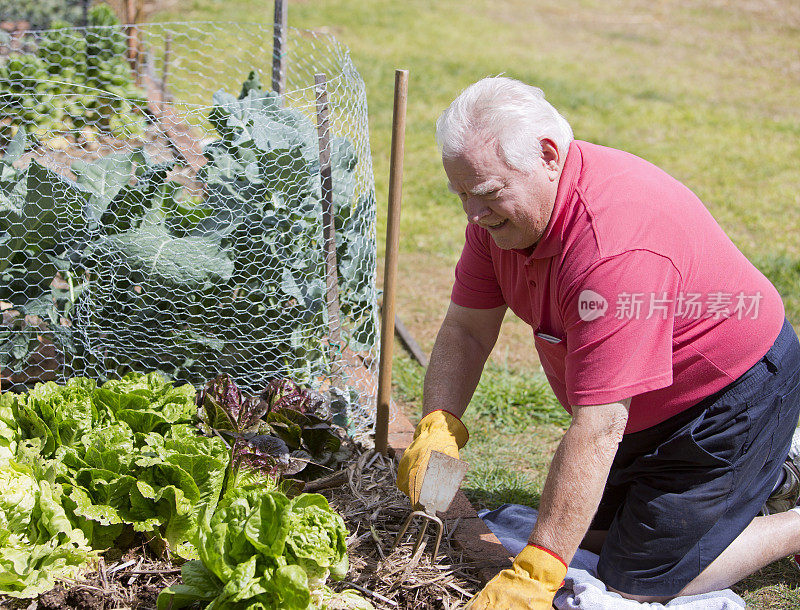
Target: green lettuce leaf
pixel 9 431
pixel 316 539
pixel 348 599
pixel 58 414
pixel 38 542
pixel 199 584
pixel 262 550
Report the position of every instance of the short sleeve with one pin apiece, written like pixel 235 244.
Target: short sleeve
pixel 476 284
pixel 619 321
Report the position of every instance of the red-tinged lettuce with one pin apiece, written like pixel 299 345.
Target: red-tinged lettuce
pixel 221 406
pixel 286 394
pixel 283 431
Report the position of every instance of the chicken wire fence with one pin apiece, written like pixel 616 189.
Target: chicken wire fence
pixel 161 207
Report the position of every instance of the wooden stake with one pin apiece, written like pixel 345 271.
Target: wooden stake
pixel 279 47
pixel 165 69
pixel 132 14
pixel 390 263
pixel 328 224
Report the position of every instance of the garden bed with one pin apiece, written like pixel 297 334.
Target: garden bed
pixel 63 502
pixel 373 509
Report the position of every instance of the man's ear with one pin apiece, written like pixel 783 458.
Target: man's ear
pixel 550 154
pixel 551 158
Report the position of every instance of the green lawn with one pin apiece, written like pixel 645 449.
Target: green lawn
pixel 708 90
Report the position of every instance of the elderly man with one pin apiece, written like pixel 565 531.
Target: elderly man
pixel 669 349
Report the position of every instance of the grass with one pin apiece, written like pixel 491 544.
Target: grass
pixel 705 89
pixel 784 273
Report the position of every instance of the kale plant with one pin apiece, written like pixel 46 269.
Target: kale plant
pixel 123 269
pixel 265 195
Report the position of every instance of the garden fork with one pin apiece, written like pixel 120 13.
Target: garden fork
pixel 440 482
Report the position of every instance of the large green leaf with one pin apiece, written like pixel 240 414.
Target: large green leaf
pixel 104 178
pixel 286 170
pixel 16 147
pixel 164 260
pixel 54 210
pixel 115 402
pixel 132 201
pixel 199 584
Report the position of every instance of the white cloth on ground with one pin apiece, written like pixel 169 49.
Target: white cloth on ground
pixel 582 590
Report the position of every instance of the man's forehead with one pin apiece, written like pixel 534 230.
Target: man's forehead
pixel 481 188
pixel 476 172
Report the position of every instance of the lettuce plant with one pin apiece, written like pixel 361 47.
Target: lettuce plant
pixel 283 431
pixel 81 463
pixel 124 455
pixel 39 544
pixel 262 551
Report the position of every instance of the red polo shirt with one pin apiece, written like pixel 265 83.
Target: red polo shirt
pixel 634 291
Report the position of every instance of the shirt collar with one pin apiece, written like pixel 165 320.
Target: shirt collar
pixel 551 242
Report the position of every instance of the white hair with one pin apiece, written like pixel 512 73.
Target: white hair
pixel 506 111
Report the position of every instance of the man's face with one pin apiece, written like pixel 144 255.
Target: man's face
pixel 512 205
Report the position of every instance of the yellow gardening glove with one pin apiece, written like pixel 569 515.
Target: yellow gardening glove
pixel 529 584
pixel 438 431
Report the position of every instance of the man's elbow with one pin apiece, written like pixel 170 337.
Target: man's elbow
pixel 616 427
pixel 603 425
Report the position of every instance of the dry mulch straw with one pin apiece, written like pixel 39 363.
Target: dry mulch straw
pixel 374 510
pixel 132 581
pixel 364 493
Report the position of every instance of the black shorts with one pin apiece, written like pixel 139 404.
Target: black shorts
pixel 680 492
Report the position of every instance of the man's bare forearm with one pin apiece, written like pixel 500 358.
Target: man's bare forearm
pixel 453 373
pixel 463 344
pixel 576 480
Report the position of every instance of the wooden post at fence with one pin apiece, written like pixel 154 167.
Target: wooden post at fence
pixel 131 17
pixel 279 47
pixel 165 69
pixel 390 264
pixel 328 224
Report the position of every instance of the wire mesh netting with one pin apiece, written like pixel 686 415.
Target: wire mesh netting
pixel 162 208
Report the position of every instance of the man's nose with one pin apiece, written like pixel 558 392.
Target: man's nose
pixel 475 209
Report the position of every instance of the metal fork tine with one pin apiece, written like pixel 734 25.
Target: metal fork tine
pixel 439 532
pixel 403 529
pixel 421 536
